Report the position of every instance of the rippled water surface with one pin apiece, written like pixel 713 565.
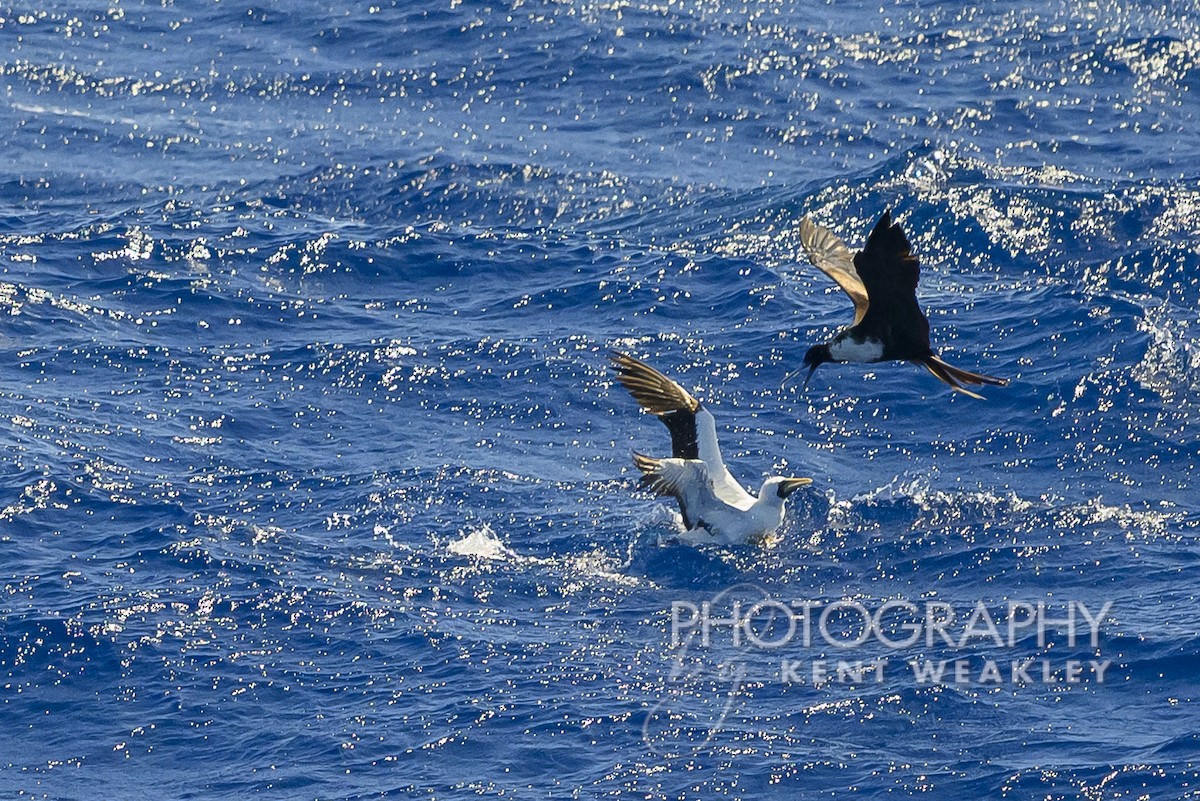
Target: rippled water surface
pixel 315 481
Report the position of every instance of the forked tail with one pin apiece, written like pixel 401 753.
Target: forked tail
pixel 955 377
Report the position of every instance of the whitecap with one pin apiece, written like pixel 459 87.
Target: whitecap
pixel 481 542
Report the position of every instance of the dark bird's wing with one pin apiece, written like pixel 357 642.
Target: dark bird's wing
pixel 830 255
pixel 661 396
pixel 890 272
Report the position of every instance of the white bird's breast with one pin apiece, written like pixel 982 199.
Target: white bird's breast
pixel 846 349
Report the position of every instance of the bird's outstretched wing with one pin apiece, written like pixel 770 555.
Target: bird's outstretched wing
pixel 686 480
pixel 693 429
pixel 661 396
pixel 829 254
pixel 887 267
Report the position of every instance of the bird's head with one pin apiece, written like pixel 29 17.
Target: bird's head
pixel 781 488
pixel 814 358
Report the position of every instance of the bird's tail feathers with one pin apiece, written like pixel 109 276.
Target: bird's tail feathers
pixel 955 377
pixel 967 377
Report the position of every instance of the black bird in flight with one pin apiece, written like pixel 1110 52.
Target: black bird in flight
pixel 888 324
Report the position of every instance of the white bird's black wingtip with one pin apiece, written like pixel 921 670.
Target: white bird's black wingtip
pixel 647 464
pixel 653 391
pixel 666 399
pixel 652 477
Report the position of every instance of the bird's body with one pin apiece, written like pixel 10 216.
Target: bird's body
pixel 888 324
pixel 846 347
pixel 715 508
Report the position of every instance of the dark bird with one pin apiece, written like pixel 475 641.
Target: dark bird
pixel 714 506
pixel 888 324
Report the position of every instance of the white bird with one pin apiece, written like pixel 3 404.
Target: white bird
pixel 714 506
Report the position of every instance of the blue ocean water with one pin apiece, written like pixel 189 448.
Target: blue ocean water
pixel 316 484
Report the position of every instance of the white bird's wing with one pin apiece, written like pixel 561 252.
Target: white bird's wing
pixel 831 256
pixel 661 396
pixel 687 481
pixel 725 485
pixel 693 430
